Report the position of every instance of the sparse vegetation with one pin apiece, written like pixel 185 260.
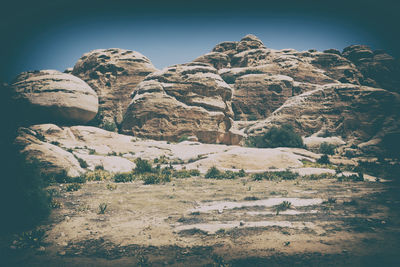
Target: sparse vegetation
pixel 319 176
pixel 155 178
pixel 97 175
pixel 102 208
pixel 31 239
pixel 183 138
pixel 324 159
pixel 285 205
pixel 185 173
pixel 275 175
pixel 124 177
pixel 111 187
pixel 277 137
pixel 82 163
pixel 326 148
pixel 142 166
pixel 73 187
pixel 109 126
pixel 99 167
pixel 215 173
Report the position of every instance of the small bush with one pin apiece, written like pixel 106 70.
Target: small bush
pixel 112 153
pixel 109 126
pixel 213 172
pixel 102 208
pixel 183 138
pixel 111 187
pixel 324 159
pixel 55 204
pixel 326 148
pixel 285 205
pixel 271 176
pixel 72 187
pixel 82 163
pixel 31 239
pixel 319 176
pixel 277 137
pixel 124 177
pixel 142 166
pixel 242 173
pixel 97 175
pixel 99 167
pixel 185 173
pixel 156 178
pixel 92 151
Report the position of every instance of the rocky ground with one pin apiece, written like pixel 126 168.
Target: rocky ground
pixel 197 221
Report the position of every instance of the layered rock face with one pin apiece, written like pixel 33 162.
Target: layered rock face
pixel 113 74
pixel 356 113
pixel 189 99
pixel 378 68
pixel 52 96
pixel 263 79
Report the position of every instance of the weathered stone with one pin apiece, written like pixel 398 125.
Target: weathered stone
pixel 52 96
pixel 188 99
pixel 113 74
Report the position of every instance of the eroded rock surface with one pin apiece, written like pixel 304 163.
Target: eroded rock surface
pixel 189 99
pixel 52 96
pixel 113 74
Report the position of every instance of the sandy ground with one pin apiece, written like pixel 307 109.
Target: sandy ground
pixel 197 222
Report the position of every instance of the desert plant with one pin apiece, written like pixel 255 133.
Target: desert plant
pixel 275 175
pixel 91 151
pixel 102 208
pixel 97 175
pixel 142 166
pixel 111 187
pixel 109 126
pixel 55 204
pixel 326 148
pixel 183 138
pixel 242 173
pixel 112 153
pixel 72 187
pixel 99 167
pixel 283 136
pixel 213 172
pixel 124 177
pixel 155 178
pixel 285 205
pixel 82 163
pixel 186 173
pixel 31 239
pixel 324 159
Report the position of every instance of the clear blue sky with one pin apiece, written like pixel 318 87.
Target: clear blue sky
pixel 172 35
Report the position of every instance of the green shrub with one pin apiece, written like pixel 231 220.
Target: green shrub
pixel 319 176
pixel 72 187
pixel 155 178
pixel 31 239
pixel 183 138
pixel 109 126
pixel 97 175
pixel 326 148
pixel 242 173
pixel 213 172
pixel 142 166
pixel 82 163
pixel 124 177
pixel 102 208
pixel 324 159
pixel 273 175
pixel 277 137
pixel 99 167
pixel 285 205
pixel 185 173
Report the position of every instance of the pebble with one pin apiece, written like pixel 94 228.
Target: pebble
pixel 67 218
pixel 61 253
pixel 41 248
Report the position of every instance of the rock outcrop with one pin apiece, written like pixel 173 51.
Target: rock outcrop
pixel 355 113
pixel 52 96
pixel 378 68
pixel 182 100
pixel 113 74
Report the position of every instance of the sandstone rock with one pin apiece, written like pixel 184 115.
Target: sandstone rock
pixel 216 59
pixel 113 74
pixel 187 99
pixel 378 68
pixel 52 96
pixel 314 142
pixel 257 95
pixel 52 160
pixel 349 111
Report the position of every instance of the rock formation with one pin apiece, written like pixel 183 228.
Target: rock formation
pixel 358 114
pixel 113 74
pixel 52 96
pixel 182 100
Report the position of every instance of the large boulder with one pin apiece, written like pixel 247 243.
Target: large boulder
pixel 52 96
pixel 355 113
pixel 113 74
pixel 189 99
